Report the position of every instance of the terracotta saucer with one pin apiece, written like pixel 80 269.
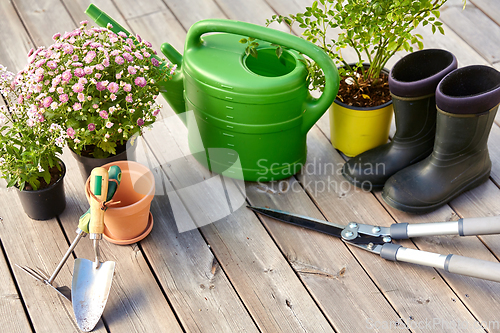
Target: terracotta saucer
pixel 146 232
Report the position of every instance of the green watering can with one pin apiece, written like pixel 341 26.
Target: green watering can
pixel 256 109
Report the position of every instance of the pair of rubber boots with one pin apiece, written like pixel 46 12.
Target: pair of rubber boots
pixel 443 119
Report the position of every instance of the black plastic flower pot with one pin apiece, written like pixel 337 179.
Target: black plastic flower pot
pixel 86 164
pixel 46 203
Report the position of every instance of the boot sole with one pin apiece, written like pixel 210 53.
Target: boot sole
pixel 426 209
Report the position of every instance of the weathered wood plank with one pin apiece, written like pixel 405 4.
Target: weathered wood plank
pixel 12 315
pixel 132 9
pixel 136 302
pixel 44 18
pixel 260 275
pixel 76 8
pixel 477 29
pixel 406 286
pixel 15 41
pixel 188 12
pixel 489 8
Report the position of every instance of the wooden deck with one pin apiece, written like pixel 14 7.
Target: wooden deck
pixel 246 273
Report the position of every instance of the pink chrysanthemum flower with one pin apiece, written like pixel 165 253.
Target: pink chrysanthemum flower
pixel 129 98
pixel 56 36
pixel 71 132
pixel 155 62
pixel 88 70
pixel 91 127
pixel 112 97
pixel 47 101
pixel 89 57
pixel 140 122
pixel 79 72
pixel 109 124
pixel 64 98
pixel 127 87
pixel 100 86
pixel 74 57
pixel 140 81
pixel 99 67
pixel 77 87
pixel 113 87
pixel 138 55
pixel 81 97
pixel 56 81
pixel 119 60
pixel 128 57
pixel 68 49
pixel 122 34
pixel 105 62
pixel 156 112
pixel 131 70
pixel 52 64
pixel 77 106
pixel 66 75
pixel 103 114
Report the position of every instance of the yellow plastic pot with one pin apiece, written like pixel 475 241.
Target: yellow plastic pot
pixel 355 130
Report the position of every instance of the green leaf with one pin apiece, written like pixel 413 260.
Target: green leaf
pixel 279 52
pixel 392 46
pixel 441 30
pixel 251 39
pixel 243 41
pixel 433 29
pixel 253 52
pixel 436 13
pixel 46 176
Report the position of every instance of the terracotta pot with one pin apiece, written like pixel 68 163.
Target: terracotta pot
pixel 130 221
pixel 46 203
pixel 86 164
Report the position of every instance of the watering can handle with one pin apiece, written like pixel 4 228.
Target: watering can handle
pixel 313 108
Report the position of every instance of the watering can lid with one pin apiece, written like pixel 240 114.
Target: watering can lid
pixel 220 63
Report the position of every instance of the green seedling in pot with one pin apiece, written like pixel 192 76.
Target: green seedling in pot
pixel 115 175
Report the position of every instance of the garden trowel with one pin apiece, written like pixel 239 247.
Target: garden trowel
pixel 114 175
pixel 92 279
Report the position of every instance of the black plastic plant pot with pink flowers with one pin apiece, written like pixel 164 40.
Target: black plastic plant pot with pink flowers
pixel 100 87
pixel 30 147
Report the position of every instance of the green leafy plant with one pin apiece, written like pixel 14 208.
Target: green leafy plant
pixel 29 144
pixel 100 87
pixel 374 29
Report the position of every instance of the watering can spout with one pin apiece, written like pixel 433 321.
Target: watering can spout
pixel 172 90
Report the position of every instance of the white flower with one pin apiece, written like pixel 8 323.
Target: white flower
pixel 40 169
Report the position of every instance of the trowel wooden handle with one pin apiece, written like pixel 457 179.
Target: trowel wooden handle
pixel 98 186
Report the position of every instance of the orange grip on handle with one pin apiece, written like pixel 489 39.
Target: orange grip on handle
pixel 98 186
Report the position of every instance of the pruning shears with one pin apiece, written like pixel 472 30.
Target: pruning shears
pixel 378 240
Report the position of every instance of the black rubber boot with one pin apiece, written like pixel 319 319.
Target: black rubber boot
pixel 467 101
pixel 412 81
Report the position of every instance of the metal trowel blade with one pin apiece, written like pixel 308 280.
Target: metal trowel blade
pixel 90 291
